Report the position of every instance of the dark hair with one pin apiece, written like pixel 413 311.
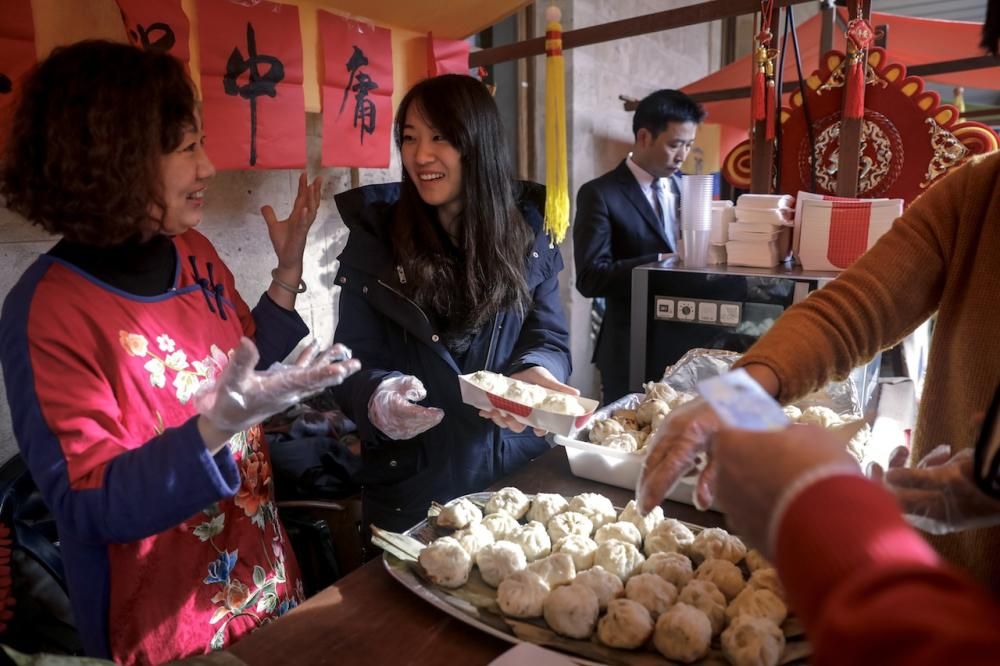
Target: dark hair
pixel 991 27
pixel 658 109
pixel 488 275
pixel 93 121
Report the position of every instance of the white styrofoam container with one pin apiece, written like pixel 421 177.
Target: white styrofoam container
pixel 614 467
pixel 560 424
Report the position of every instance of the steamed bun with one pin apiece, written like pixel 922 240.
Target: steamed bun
pixel 556 569
pixel 707 598
pixel 562 403
pixel 604 428
pixel 626 625
pixel 654 593
pixel 499 560
pixel 649 408
pixel 533 540
pixel 510 501
pixel 669 536
pixel 756 560
pixel 522 594
pixel 622 531
pixel 726 576
pixel 683 634
pixel 473 538
pixel 753 641
pixel 525 394
pixel 490 382
pixel 767 579
pixel 671 567
pixel 819 415
pixel 597 507
pixel 622 441
pixel 580 548
pixel 716 542
pixel 620 558
pixel 545 506
pixel 758 603
pixel 569 522
pixel 445 562
pixel 458 514
pixel 601 582
pixel 502 525
pixel 646 523
pixel 571 610
pixel 660 391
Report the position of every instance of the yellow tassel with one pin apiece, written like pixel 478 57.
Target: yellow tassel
pixel 960 100
pixel 556 178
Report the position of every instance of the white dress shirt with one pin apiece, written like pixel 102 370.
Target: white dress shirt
pixel 645 180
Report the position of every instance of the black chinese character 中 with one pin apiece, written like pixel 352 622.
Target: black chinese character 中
pixel 143 37
pixel 361 84
pixel 259 84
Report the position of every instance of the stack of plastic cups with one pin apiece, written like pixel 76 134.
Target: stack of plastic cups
pixel 696 219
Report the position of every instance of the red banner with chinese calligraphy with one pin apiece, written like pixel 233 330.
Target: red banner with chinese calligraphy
pixel 251 82
pixel 158 25
pixel 17 55
pixel 357 92
pixel 447 56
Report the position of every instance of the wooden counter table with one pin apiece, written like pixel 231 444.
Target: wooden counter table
pixel 367 617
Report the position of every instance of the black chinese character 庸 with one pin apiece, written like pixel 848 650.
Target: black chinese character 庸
pixel 361 84
pixel 260 83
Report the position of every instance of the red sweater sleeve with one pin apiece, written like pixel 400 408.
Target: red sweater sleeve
pixel 869 590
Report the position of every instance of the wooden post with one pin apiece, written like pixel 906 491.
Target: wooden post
pixel 761 149
pixel 851 129
pixel 829 12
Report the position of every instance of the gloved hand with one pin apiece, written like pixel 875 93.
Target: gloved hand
pixel 756 469
pixel 241 397
pixel 391 408
pixel 678 445
pixel 939 495
pixel 539 376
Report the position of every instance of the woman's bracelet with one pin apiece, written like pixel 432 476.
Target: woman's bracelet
pixel 301 289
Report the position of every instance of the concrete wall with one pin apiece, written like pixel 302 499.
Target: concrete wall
pixel 599 137
pixel 600 130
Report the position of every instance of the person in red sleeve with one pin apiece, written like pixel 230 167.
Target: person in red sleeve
pixel 868 588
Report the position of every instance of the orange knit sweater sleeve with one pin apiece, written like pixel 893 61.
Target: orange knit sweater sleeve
pixel 881 298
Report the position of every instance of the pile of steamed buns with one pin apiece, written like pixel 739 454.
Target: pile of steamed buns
pixel 632 581
pixel 629 429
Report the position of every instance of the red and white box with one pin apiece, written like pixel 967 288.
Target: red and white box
pixel 832 232
pixel 550 421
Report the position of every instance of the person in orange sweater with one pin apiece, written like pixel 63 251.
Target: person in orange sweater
pixel 943 256
pixel 867 587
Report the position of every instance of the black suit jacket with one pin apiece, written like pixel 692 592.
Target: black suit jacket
pixel 614 231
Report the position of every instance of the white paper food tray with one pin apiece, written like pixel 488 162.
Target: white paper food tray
pixel 614 467
pixel 560 424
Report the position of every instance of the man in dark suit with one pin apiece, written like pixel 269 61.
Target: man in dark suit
pixel 631 216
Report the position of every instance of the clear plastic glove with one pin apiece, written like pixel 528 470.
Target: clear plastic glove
pixel 755 470
pixel 939 495
pixel 679 445
pixel 534 375
pixel 391 408
pixel 241 397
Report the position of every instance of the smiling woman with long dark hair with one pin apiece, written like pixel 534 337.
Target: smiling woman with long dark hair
pixel 445 273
